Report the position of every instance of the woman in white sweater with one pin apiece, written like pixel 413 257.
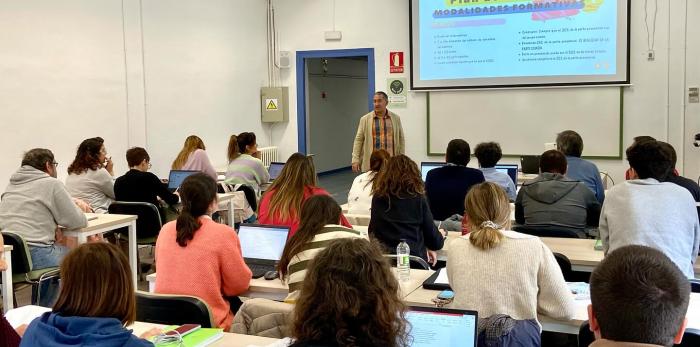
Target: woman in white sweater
pixel 494 270
pixel 360 195
pixel 90 175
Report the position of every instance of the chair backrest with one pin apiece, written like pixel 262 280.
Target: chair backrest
pixel 416 262
pixel 172 309
pixel 20 256
pixel 148 223
pixel 565 266
pixel 695 285
pixel 547 232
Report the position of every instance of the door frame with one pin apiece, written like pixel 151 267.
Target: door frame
pixel 301 57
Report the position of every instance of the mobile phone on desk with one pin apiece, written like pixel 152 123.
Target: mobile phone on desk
pixel 183 330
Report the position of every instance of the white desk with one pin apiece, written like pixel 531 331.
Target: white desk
pixel 228 340
pixel 108 222
pixel 226 203
pixel 422 297
pixel 278 290
pixel 7 294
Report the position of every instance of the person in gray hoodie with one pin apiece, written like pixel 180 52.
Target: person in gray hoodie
pixel 35 203
pixel 553 201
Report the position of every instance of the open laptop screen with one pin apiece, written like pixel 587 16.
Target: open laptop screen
pixel 262 241
pixel 177 176
pixel 275 169
pixel 510 169
pixel 427 166
pixel 432 326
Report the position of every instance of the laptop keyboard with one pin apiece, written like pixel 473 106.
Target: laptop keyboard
pixel 259 270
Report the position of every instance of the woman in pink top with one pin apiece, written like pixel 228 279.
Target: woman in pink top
pixel 295 184
pixel 193 157
pixel 199 257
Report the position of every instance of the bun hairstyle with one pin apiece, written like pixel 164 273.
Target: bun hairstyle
pixel 488 209
pixel 197 192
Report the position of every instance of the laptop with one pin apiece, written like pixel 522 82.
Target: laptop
pixel 431 326
pixel 510 169
pixel 530 164
pixel 275 169
pixel 262 246
pixel 427 166
pixel 176 177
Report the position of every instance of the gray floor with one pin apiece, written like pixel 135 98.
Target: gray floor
pixel 337 184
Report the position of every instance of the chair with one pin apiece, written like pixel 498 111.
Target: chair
pixel 244 203
pixel 547 232
pixel 695 285
pixel 565 266
pixel 148 224
pixel 172 309
pixel 22 272
pixel 416 262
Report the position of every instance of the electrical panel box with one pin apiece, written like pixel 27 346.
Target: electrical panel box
pixel 274 103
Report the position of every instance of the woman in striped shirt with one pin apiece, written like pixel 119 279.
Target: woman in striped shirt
pixel 243 165
pixel 320 216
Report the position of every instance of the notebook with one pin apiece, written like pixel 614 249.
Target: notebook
pixel 509 169
pixel 275 169
pixel 176 177
pixel 431 326
pixel 427 166
pixel 437 281
pixel 201 337
pixel 262 246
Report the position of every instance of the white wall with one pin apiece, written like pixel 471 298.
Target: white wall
pixel 652 104
pixel 74 69
pixel 332 121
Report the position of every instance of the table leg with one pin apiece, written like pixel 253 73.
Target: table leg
pixel 7 294
pixel 132 253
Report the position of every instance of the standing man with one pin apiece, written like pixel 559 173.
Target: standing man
pixel 379 129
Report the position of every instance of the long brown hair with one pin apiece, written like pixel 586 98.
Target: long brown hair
pixel 298 174
pixel 192 143
pixel 316 212
pixel 400 177
pixel 233 151
pixel 87 157
pixel 197 192
pixel 487 202
pixel 350 298
pixel 96 282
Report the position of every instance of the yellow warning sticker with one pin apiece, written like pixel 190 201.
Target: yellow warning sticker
pixel 271 104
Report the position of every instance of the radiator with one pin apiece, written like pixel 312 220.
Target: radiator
pixel 268 155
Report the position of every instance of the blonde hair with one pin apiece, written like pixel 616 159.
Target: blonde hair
pixel 287 190
pixel 488 209
pixel 192 143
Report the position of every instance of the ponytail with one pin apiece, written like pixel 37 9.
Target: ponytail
pixel 233 149
pixel 488 211
pixel 197 191
pixel 485 237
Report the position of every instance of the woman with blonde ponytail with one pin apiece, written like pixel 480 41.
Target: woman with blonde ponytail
pixel 494 270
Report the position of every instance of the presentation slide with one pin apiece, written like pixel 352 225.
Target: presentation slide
pixel 511 43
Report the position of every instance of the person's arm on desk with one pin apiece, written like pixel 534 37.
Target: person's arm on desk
pixel 235 274
pixel 65 211
pixel 162 190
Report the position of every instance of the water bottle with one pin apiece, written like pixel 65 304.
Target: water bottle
pixel 403 264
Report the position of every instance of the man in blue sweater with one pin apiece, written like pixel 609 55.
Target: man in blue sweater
pixel 570 143
pixel 447 186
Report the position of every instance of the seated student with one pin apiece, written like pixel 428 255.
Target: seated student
pixel 9 337
pixel 400 211
pixel 350 298
pixel 675 178
pixel 488 154
pixel 570 143
pixel 555 201
pixel 35 203
pixel 193 157
pixel 494 270
pixel 139 185
pixel 638 298
pixel 446 187
pixel 197 256
pixel 646 211
pixel 360 194
pixel 320 216
pixel 95 303
pixel 296 183
pixel 91 175
pixel 636 140
pixel 244 166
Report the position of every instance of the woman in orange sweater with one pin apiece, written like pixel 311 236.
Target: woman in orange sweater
pixel 197 256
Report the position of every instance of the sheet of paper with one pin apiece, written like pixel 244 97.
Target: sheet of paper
pixel 24 314
pixel 442 277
